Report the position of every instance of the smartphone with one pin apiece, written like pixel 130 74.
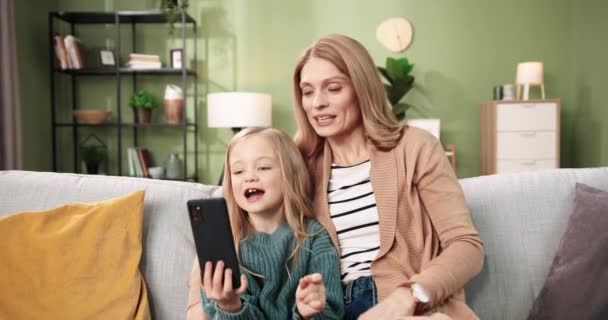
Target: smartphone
pixel 213 235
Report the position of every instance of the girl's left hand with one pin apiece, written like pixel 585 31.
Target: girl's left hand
pixel 310 295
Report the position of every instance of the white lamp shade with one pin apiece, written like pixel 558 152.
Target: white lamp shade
pixel 529 73
pixel 239 110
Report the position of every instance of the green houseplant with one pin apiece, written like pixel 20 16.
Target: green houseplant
pixel 398 83
pixel 172 9
pixel 93 156
pixel 143 102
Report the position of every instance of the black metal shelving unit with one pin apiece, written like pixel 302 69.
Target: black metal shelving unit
pixel 118 19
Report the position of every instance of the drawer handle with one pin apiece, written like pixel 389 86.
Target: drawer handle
pixel 528 163
pixel 528 134
pixel 529 105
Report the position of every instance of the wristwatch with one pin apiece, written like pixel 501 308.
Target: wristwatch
pixel 419 293
pixel 421 296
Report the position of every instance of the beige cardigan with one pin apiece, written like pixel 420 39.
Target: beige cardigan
pixel 426 233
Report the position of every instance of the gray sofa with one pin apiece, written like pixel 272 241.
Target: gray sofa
pixel 520 217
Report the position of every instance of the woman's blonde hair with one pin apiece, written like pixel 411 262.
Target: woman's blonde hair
pixel 353 60
pixel 296 186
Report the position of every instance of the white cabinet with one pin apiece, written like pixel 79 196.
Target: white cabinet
pixel 519 136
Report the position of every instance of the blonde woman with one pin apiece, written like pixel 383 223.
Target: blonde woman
pixel 289 265
pixel 385 192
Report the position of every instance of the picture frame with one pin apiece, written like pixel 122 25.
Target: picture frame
pixel 176 58
pixel 107 58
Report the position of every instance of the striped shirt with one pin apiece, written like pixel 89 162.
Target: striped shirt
pixel 352 206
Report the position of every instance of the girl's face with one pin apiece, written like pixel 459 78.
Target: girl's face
pixel 328 99
pixel 255 175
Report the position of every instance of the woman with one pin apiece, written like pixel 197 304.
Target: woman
pixel 385 192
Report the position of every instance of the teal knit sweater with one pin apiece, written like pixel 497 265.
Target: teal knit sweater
pixel 273 297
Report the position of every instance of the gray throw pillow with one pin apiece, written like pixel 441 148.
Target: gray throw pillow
pixel 577 284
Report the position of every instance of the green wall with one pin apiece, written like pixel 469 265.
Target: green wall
pixel 461 49
pixel 33 60
pixel 589 115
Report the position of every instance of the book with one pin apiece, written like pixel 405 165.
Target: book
pixel 144 57
pixel 60 52
pixel 147 65
pixel 145 160
pixel 74 52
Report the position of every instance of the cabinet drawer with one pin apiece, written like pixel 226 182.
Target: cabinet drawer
pixel 526 145
pixel 505 166
pixel 526 116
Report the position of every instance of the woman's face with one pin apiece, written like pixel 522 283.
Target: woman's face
pixel 328 99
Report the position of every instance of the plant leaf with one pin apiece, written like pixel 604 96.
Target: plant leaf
pixel 385 75
pixel 400 110
pixel 393 69
pixel 405 65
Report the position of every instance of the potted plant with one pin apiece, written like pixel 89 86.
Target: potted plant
pixel 93 156
pixel 143 102
pixel 397 74
pixel 172 9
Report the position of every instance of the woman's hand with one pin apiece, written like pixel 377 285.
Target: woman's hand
pixel 226 297
pixel 397 305
pixel 310 295
pixel 434 316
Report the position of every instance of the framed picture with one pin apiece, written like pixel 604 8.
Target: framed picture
pixel 107 58
pixel 177 58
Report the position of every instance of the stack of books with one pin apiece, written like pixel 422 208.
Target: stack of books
pixel 68 52
pixel 144 61
pixel 140 160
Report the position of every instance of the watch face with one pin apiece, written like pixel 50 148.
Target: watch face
pixel 419 293
pixel 395 34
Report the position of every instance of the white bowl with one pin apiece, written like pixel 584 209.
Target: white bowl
pixel 156 172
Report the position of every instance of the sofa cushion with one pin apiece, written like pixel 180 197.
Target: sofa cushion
pixel 168 248
pixel 578 278
pixel 520 218
pixel 76 261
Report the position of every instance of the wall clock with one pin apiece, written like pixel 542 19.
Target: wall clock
pixel 395 34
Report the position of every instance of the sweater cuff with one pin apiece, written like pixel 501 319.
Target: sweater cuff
pixel 295 313
pixel 225 315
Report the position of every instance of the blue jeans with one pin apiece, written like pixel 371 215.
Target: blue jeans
pixel 359 296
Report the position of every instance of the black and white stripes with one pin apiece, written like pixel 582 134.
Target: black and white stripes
pixel 352 206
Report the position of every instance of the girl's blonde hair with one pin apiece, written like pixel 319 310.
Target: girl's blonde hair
pixel 296 186
pixel 353 60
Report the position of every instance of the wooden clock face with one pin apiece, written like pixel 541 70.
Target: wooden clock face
pixel 395 34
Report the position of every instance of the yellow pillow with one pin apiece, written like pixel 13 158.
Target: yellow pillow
pixel 77 261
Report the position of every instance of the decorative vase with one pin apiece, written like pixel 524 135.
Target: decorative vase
pixel 173 167
pixel 174 104
pixel 174 110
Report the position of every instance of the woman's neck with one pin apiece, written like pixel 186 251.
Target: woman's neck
pixel 349 149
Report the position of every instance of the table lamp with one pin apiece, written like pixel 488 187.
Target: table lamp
pixel 239 110
pixel 529 73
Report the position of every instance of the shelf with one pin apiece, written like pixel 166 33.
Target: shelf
pixel 125 124
pixel 91 17
pixel 121 130
pixel 112 71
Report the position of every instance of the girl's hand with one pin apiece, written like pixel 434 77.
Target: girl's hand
pixel 226 297
pixel 310 295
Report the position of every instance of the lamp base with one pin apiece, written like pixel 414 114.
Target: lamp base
pixel 526 91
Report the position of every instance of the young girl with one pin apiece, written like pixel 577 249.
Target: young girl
pixel 288 263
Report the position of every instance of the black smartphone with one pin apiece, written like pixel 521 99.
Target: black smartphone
pixel 213 235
